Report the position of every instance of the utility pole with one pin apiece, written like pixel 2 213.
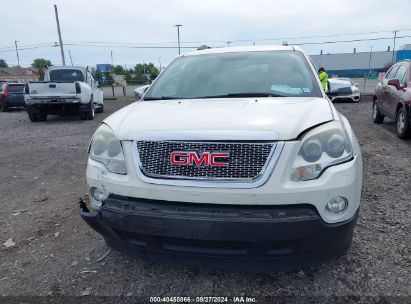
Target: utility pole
pixel 159 60
pixel 111 55
pixel 369 68
pixel 228 43
pixel 17 53
pixel 393 49
pixel 178 36
pixel 59 32
pixel 321 55
pixel 369 61
pixel 71 59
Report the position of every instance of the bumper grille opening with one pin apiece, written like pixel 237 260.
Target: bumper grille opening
pixel 210 247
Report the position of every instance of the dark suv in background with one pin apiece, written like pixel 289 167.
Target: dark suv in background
pixel 393 98
pixel 12 96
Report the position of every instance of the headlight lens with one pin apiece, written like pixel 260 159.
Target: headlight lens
pixel 311 150
pixel 322 147
pixel 335 146
pixel 106 149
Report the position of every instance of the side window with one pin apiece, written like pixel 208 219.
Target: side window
pixel 400 75
pixel 391 72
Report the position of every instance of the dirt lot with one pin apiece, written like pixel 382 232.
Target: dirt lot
pixel 42 168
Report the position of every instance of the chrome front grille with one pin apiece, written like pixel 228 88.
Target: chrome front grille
pixel 246 161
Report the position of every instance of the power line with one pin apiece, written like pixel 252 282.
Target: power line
pixel 159 46
pixel 25 45
pixel 132 47
pixel 244 40
pixel 318 36
pixel 26 48
pixel 148 44
pixel 353 40
pixel 194 47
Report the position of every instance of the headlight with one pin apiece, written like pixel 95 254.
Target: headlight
pixel 322 147
pixel 106 149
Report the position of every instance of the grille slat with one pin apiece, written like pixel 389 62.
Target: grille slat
pixel 246 161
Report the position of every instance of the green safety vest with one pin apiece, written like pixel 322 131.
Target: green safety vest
pixel 324 80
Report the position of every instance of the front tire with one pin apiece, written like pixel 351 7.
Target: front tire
pixel 3 106
pixel 42 116
pixel 33 117
pixel 101 109
pixel 377 117
pixel 402 122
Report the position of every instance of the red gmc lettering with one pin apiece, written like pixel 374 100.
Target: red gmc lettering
pixel 213 161
pixel 178 158
pixel 192 158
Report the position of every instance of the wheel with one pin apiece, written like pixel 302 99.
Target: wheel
pixel 33 117
pixel 89 114
pixel 4 107
pixel 377 117
pixel 42 116
pixel 100 109
pixel 402 122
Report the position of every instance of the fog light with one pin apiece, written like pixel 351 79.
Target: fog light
pixel 97 197
pixel 337 205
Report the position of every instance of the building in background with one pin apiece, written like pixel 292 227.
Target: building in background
pixel 104 68
pixel 18 74
pixel 361 63
pixel 404 52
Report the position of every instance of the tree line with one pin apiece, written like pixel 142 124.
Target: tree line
pixel 141 73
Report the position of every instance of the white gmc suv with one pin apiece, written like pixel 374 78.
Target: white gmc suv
pixel 234 158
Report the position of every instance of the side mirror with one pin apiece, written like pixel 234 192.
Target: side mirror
pixel 356 84
pixel 394 82
pixel 139 92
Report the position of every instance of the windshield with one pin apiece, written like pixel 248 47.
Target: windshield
pixel 15 88
pixel 259 74
pixel 66 75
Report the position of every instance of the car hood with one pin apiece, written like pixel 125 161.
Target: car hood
pixel 286 117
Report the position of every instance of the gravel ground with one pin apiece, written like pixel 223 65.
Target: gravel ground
pixel 42 169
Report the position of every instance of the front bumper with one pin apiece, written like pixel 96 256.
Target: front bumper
pixel 15 103
pixel 353 97
pixel 234 237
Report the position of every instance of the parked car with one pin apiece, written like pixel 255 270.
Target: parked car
pixel 11 96
pixel 343 89
pixel 234 158
pixel 139 91
pixel 65 90
pixel 392 98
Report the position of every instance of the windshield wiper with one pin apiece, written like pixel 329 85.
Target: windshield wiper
pixel 163 98
pixel 246 94
pixel 229 95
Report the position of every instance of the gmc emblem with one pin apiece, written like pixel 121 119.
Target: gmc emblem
pixel 191 158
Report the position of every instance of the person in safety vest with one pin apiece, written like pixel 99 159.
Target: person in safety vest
pixel 323 78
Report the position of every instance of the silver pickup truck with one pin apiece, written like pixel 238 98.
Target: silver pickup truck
pixel 65 90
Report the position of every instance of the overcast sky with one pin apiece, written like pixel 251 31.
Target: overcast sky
pixel 118 26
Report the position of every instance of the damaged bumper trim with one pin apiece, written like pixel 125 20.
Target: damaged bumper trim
pixel 246 238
